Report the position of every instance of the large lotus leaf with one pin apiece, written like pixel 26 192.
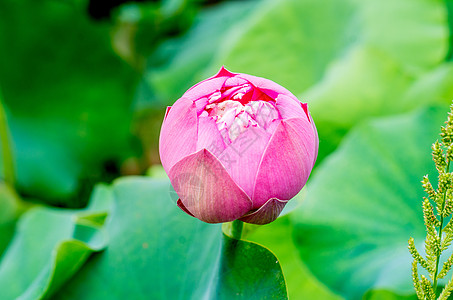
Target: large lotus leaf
pixel 387 295
pixel 156 251
pixel 278 237
pixel 400 27
pixel 371 78
pixel 291 42
pixel 299 39
pixel 367 82
pixel 300 281
pixel 433 87
pixel 10 209
pixel 365 73
pixel 449 4
pixel 49 246
pixel 364 203
pixel 66 93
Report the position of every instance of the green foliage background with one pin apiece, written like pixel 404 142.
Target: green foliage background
pixel 84 89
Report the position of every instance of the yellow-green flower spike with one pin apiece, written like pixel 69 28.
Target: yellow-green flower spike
pixel 439 227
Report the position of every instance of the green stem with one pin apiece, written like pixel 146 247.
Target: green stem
pixel 7 156
pixel 236 229
pixel 447 169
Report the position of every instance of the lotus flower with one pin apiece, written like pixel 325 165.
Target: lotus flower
pixel 236 146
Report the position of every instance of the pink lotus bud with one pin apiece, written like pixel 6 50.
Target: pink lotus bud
pixel 236 146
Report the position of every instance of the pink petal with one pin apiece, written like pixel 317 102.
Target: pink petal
pixel 206 189
pixel 266 213
pixel 167 111
pixel 209 136
pixel 272 126
pixel 183 208
pixel 205 88
pixel 305 108
pixel 316 141
pixel 178 134
pixel 242 157
pixel 224 72
pixel 286 163
pixel 289 108
pixel 235 81
pixel 316 138
pixel 269 87
pixel 209 85
pixel 260 95
pixel 201 104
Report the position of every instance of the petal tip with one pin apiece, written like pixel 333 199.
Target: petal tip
pixel 183 208
pixel 224 72
pixel 305 108
pixel 167 111
pixel 267 213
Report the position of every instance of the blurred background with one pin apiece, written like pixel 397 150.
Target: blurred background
pixel 84 85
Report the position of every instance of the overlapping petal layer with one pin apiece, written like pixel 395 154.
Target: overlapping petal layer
pixel 242 157
pixel 288 108
pixel 286 163
pixel 206 189
pixel 178 136
pixel 267 213
pixel 209 136
pixel 267 86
